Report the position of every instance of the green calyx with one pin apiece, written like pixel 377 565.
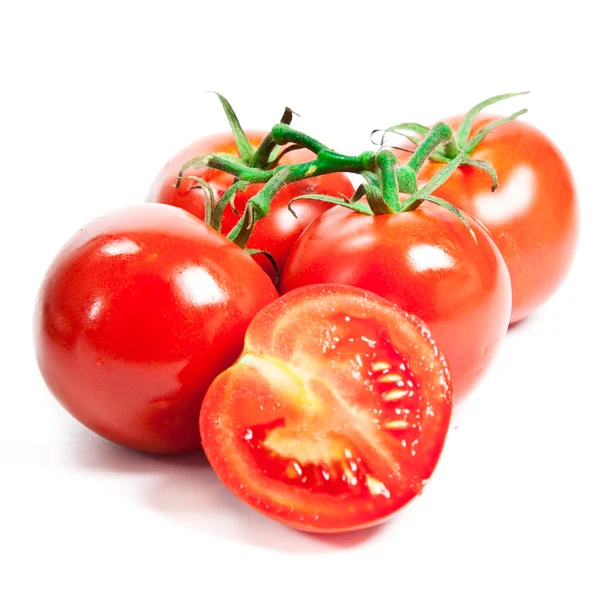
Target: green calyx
pixel 463 141
pixel 385 182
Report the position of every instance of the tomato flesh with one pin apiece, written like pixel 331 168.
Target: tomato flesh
pixel 339 396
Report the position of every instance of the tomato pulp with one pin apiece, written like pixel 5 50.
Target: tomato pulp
pixel 136 316
pixel 425 261
pixel 533 214
pixel 275 233
pixel 334 416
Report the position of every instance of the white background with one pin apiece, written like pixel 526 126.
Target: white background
pixel 96 97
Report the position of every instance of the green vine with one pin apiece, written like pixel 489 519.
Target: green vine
pixel 384 179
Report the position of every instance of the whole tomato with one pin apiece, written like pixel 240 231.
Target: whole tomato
pixel 277 232
pixel 425 261
pixel 532 216
pixel 136 316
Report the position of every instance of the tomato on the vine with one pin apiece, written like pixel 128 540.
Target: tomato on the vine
pixel 532 216
pixel 137 314
pixel 277 232
pixel 427 262
pixel 335 414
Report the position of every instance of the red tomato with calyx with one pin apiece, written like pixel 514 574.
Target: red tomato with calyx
pixel 336 413
pixel 533 214
pixel 136 316
pixel 277 232
pixel 426 262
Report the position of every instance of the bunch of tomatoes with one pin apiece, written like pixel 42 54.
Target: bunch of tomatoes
pixel 311 335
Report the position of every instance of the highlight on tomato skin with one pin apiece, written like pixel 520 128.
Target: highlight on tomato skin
pixel 335 414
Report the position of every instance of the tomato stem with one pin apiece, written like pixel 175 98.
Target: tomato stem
pixel 386 161
pixel 257 208
pixel 261 157
pixel 384 180
pixel 407 180
pixel 284 134
pixel 440 133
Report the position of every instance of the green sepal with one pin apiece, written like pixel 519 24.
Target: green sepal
pixel 478 137
pixel 435 182
pixel 214 161
pixel 240 234
pixel 269 256
pixel 278 154
pixel 454 211
pixel 464 129
pixel 227 198
pixel 359 193
pixel 410 138
pixel 484 165
pixel 358 207
pixel 257 207
pixel 371 178
pixel 209 196
pixel 374 198
pixel 414 127
pixel 241 140
pixel 377 202
pixel 439 157
pixel 194 163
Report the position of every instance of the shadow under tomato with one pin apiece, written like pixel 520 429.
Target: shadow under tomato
pixel 185 489
pixel 524 324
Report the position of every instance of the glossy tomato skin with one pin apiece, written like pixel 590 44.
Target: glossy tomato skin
pixel 136 315
pixel 336 413
pixel 426 262
pixel 278 231
pixel 532 216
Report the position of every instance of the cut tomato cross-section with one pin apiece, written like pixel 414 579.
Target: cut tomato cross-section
pixel 335 414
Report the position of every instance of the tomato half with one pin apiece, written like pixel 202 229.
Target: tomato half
pixel 426 262
pixel 136 316
pixel 336 413
pixel 533 214
pixel 277 232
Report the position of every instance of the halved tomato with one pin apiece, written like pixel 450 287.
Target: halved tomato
pixel 335 414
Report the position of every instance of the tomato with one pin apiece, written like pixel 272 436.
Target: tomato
pixel 426 262
pixel 336 413
pixel 277 232
pixel 137 314
pixel 533 214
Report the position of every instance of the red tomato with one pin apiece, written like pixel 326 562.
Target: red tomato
pixel 533 214
pixel 335 414
pixel 137 314
pixel 426 262
pixel 278 231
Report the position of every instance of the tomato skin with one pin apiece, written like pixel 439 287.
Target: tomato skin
pixel 426 262
pixel 137 314
pixel 277 232
pixel 320 393
pixel 533 216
